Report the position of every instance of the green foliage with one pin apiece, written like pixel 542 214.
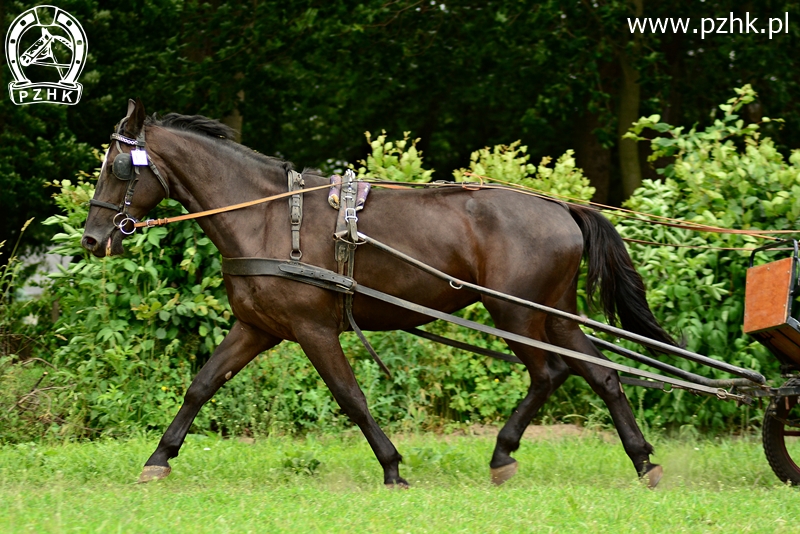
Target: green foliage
pixel 509 163
pixel 133 328
pixel 299 462
pixel 27 400
pixel 725 175
pixel 399 160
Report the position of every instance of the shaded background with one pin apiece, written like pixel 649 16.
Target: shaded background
pixel 306 79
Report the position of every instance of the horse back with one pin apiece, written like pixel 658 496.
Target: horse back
pixel 516 243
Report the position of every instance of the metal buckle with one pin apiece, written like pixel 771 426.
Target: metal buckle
pixel 350 214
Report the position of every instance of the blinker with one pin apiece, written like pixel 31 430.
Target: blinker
pixel 123 167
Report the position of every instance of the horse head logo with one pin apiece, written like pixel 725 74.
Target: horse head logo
pixel 48 45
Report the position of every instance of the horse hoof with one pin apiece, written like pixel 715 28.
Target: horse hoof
pixel 400 484
pixel 153 472
pixel 501 474
pixel 653 476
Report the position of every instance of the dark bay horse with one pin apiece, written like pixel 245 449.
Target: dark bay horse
pixel 517 244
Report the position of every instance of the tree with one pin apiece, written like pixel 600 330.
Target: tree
pixel 305 79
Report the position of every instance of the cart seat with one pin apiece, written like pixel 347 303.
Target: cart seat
pixel 769 292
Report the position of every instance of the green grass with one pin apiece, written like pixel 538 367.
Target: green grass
pixel 578 484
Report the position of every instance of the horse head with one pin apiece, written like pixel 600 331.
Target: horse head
pixel 127 169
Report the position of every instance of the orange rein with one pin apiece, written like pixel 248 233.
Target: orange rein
pixel 664 221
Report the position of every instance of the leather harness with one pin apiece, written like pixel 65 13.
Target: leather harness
pixel 348 196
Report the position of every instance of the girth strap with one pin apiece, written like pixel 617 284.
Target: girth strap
pixel 301 272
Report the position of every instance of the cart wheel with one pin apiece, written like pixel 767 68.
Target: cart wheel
pixel 781 436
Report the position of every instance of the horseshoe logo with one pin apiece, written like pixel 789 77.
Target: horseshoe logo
pixel 40 39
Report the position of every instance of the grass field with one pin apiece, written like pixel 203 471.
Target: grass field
pixel 333 484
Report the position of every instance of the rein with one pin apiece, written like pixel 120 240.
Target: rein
pixel 188 216
pixel 505 186
pixel 378 183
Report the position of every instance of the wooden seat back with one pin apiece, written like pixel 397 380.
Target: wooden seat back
pixel 768 293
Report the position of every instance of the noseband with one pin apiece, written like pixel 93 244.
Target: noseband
pixel 126 168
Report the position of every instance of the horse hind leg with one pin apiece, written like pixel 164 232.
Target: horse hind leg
pixel 547 372
pixel 605 382
pixel 322 347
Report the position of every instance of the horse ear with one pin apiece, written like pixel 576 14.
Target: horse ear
pixel 131 105
pixel 135 119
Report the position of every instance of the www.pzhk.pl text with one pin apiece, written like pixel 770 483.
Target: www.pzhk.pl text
pixel 709 25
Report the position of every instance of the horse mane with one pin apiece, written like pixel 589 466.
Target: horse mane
pixel 214 129
pixel 195 123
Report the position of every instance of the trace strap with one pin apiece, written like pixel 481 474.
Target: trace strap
pixel 327 279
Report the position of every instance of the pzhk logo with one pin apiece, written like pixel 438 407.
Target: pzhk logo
pixel 48 45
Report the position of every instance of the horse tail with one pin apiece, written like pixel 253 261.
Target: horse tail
pixel 622 291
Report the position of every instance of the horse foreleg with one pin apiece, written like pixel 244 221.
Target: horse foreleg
pixel 605 382
pixel 547 373
pixel 239 347
pixel 323 349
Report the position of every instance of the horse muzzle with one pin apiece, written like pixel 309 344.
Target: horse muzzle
pixel 111 245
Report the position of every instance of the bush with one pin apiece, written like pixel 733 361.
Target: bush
pixel 725 175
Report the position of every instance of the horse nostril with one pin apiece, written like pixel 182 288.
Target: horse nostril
pixel 88 242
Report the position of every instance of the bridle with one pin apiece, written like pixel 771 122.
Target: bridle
pixel 126 168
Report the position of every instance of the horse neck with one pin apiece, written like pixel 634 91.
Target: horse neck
pixel 206 176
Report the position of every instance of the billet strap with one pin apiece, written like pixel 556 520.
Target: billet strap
pixel 127 140
pixel 346 232
pixel 140 142
pixel 349 190
pixel 103 204
pixel 295 212
pixel 161 179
